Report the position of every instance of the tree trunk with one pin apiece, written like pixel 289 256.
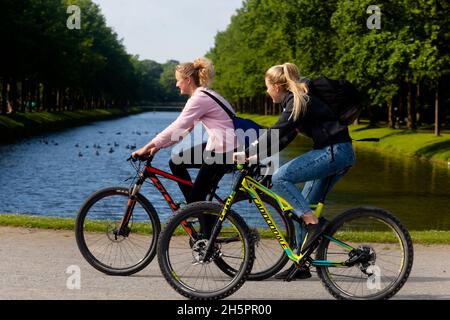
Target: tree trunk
pixel 418 104
pixel 31 94
pixel 14 102
pixel 266 106
pixel 54 97
pixel 410 109
pixel 272 106
pixel 391 116
pixel 45 99
pixel 4 94
pixel 62 99
pixel 24 94
pixel 57 100
pixel 38 96
pixel 399 116
pixel 437 129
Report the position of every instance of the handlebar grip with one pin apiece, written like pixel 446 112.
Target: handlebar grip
pixel 149 159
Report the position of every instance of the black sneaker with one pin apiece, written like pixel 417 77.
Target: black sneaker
pixel 301 273
pixel 313 232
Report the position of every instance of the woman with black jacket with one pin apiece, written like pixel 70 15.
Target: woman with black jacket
pixel 332 152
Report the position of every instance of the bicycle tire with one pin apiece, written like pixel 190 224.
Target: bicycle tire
pixel 176 280
pixel 264 272
pixel 400 233
pixel 81 233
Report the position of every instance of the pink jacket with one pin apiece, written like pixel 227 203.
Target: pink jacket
pixel 202 108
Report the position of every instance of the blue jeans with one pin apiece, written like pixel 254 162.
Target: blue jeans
pixel 313 168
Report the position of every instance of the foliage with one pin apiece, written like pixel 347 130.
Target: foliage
pixel 332 38
pixel 42 56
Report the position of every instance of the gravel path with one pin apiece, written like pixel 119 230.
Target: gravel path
pixel 34 265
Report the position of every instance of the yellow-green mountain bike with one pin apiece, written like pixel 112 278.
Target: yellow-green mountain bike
pixel 363 253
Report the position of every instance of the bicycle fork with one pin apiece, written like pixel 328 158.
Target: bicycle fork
pixel 123 229
pixel 209 251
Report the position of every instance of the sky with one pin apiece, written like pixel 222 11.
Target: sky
pixel 161 30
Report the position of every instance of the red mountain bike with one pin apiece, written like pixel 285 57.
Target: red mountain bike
pixel 117 228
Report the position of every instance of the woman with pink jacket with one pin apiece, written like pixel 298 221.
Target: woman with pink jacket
pixel 214 158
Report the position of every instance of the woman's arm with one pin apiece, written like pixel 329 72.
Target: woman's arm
pixel 286 133
pixel 193 111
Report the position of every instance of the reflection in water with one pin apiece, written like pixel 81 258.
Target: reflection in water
pixel 46 175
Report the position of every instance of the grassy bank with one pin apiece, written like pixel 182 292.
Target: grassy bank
pixel 21 125
pixel 413 143
pixel 27 221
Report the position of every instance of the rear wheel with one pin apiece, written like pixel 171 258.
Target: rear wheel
pixel 377 260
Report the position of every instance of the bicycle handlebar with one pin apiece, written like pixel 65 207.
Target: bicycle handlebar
pixel 140 158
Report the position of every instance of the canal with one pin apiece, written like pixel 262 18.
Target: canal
pixel 52 174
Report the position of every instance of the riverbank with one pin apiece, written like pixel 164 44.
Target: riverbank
pixel 20 125
pixel 419 143
pixel 428 237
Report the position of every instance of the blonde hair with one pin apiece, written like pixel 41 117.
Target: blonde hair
pixel 201 71
pixel 287 76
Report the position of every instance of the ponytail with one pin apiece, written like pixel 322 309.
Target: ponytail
pixel 201 71
pixel 287 76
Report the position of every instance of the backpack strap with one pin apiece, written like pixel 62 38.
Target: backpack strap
pixel 220 103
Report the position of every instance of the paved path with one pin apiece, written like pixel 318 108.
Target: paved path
pixel 33 265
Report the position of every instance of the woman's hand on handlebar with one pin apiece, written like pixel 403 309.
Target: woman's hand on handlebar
pixel 253 159
pixel 241 158
pixel 145 152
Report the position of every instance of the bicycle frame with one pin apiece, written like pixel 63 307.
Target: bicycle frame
pixel 152 173
pixel 250 186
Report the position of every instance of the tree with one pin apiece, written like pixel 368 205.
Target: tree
pixel 46 63
pixel 168 82
pixel 432 61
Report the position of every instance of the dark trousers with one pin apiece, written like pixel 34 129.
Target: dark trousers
pixel 206 181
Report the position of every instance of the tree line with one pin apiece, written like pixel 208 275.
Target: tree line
pixel 402 66
pixel 46 65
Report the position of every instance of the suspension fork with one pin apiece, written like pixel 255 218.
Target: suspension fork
pixel 130 205
pixel 218 226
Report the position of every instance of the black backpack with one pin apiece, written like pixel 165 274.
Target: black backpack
pixel 341 96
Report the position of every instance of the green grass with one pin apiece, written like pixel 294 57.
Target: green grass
pixel 412 143
pixel 19 125
pixel 428 237
pixel 54 223
pixel 422 237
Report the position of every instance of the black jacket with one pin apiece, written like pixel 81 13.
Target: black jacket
pixel 318 122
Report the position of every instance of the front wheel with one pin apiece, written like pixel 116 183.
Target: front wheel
pixel 100 243
pixel 372 253
pixel 182 248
